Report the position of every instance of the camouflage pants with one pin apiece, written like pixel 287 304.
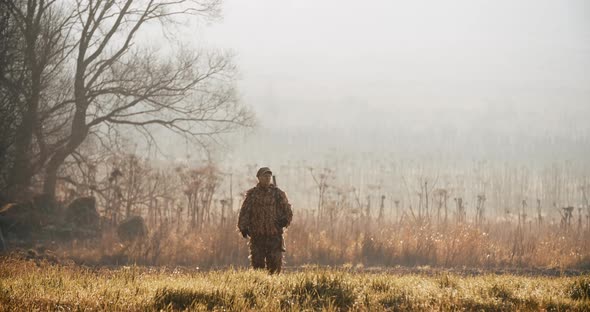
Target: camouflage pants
pixel 266 250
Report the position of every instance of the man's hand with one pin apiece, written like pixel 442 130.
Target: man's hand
pixel 282 223
pixel 245 233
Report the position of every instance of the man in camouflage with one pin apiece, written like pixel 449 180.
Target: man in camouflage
pixel 264 214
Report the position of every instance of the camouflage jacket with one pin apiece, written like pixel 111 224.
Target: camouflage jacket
pixel 262 210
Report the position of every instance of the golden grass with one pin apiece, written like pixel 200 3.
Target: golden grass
pixel 456 245
pixel 27 285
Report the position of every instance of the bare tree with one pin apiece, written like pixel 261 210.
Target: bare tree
pixel 117 84
pixel 9 39
pixel 200 185
pixel 37 48
pixel 321 182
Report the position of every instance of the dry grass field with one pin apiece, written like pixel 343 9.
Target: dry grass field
pixel 28 285
pixel 434 158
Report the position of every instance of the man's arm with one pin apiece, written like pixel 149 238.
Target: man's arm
pixel 244 216
pixel 285 213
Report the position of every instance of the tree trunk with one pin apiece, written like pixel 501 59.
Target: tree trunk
pixel 22 171
pixel 21 174
pixel 50 181
pixel 79 133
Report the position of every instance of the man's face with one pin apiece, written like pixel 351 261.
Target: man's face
pixel 264 179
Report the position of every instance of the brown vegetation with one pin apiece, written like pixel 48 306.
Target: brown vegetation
pixel 190 220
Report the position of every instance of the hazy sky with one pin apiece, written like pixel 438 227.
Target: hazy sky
pixel 467 66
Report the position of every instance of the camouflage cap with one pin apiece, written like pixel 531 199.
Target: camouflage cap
pixel 262 171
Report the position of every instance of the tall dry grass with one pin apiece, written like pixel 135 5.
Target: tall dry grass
pixel 362 243
pixel 473 217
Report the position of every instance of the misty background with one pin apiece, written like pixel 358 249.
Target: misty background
pixel 447 134
pixel 366 87
pixel 467 79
